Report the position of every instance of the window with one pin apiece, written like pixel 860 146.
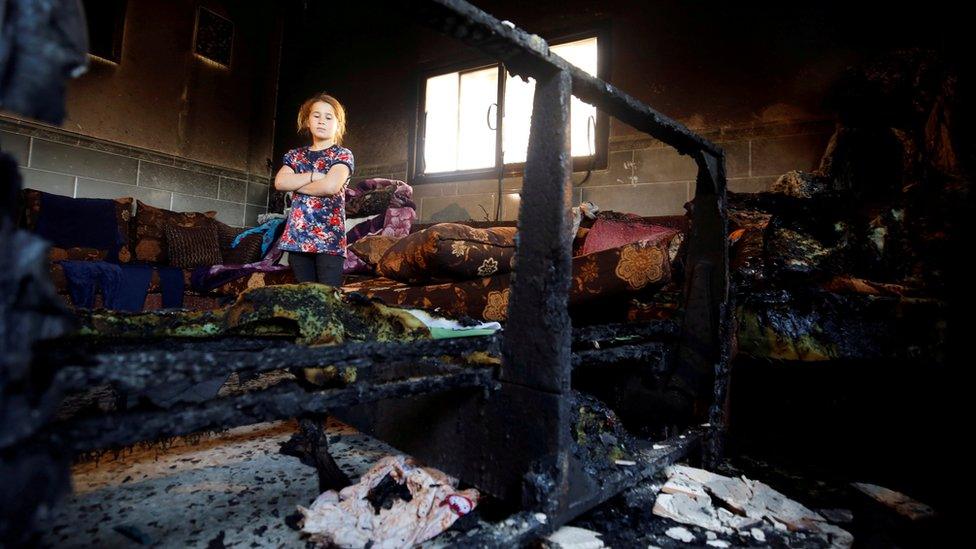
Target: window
pixel 475 121
pixel 213 38
pixel 106 23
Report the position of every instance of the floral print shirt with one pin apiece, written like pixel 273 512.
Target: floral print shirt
pixel 316 224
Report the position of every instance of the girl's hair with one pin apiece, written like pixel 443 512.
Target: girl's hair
pixel 306 109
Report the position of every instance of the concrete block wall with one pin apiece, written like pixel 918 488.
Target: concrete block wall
pixel 643 176
pixel 60 162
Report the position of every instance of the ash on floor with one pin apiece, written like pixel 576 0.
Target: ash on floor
pixel 232 490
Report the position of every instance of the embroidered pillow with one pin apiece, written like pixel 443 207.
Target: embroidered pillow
pixel 150 229
pixel 248 250
pixel 191 247
pixel 450 251
pixel 612 233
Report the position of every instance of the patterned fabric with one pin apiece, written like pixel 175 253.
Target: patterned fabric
pixel 371 203
pixel 450 251
pixel 190 247
pixel 636 266
pixel 248 250
pixel 255 280
pixel 370 249
pixel 316 223
pixel 76 254
pixel 397 220
pixel 206 279
pixel 606 234
pixel 150 231
pixel 31 202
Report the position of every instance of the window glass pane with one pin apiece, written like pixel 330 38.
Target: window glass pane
pixel 476 141
pixel 441 127
pixel 518 112
pixel 518 106
pixel 581 53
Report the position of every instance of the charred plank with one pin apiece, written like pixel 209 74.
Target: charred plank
pixel 282 401
pixel 655 355
pixel 199 361
pixel 602 333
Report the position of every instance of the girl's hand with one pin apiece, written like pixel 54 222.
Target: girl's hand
pixel 329 183
pixel 288 180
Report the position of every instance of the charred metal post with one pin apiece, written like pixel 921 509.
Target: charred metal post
pixel 540 285
pixel 706 330
pixel 536 365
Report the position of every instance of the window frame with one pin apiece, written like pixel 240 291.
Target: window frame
pixel 415 153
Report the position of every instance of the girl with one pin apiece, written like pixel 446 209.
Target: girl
pixel 315 234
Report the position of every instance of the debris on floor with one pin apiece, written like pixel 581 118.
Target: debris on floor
pixel 680 534
pixel 572 537
pixel 728 505
pixel 395 504
pixel 900 503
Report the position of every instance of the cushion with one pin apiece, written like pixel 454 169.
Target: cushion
pixel 248 250
pixel 150 230
pixel 370 249
pixel 450 251
pixel 613 233
pixel 80 223
pixel 190 247
pixel 617 271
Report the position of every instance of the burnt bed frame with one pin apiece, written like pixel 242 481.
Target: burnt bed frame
pixel 504 429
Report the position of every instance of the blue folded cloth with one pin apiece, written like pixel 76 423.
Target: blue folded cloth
pixel 83 222
pixel 123 287
pixel 131 292
pixel 171 285
pixel 84 277
pixel 268 229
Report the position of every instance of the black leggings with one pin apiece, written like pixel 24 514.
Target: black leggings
pixel 323 268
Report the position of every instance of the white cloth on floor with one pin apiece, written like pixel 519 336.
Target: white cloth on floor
pixel 347 519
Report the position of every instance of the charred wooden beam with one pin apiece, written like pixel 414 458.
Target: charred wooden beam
pixel 537 363
pixel 537 308
pixel 659 329
pixel 311 446
pixel 528 55
pixel 706 278
pixel 656 355
pixel 282 401
pixel 133 369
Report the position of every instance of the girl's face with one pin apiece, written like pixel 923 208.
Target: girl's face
pixel 322 122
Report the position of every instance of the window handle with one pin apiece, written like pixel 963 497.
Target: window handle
pixel 488 116
pixel 423 144
pixel 590 125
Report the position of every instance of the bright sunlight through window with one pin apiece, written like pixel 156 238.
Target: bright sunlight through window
pixel 459 107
